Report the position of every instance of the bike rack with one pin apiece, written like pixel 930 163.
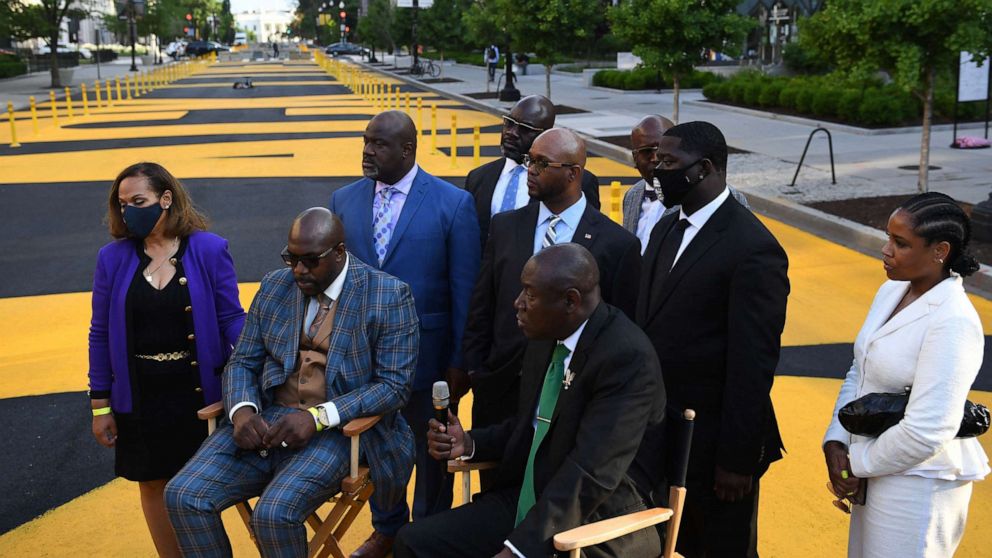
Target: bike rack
pixel 830 145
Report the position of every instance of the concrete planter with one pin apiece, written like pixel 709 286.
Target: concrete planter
pixel 147 60
pixel 65 76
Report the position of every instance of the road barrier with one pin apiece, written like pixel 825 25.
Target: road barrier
pixel 34 114
pixel 86 101
pixel 13 125
pixel 476 146
pixel 55 110
pixel 454 141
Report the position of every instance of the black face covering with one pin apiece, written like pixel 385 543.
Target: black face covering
pixel 141 220
pixel 674 184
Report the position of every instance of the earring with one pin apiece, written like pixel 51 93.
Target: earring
pixel 940 260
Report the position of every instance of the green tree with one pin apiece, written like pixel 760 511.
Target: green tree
pixel 41 20
pixel 909 39
pixel 441 25
pixel 552 29
pixel 374 29
pixel 672 36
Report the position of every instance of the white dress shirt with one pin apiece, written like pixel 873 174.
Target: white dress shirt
pixel 570 342
pixel 565 228
pixel 651 213
pixel 523 198
pixel 697 220
pixel 333 291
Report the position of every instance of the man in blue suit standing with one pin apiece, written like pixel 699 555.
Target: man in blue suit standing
pixel 424 231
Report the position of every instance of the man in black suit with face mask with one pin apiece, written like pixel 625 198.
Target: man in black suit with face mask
pixel 712 300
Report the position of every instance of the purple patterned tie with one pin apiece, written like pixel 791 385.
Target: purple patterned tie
pixel 382 227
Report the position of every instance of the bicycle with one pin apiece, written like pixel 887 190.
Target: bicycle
pixel 425 67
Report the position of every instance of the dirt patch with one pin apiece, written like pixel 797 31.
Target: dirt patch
pixel 874 212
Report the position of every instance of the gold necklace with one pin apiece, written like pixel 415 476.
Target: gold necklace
pixel 148 274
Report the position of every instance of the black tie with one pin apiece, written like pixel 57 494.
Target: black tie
pixel 666 255
pixel 650 194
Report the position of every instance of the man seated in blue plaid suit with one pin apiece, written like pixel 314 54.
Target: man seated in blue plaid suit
pixel 327 339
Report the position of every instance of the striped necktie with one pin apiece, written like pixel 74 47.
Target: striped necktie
pixel 550 235
pixel 323 308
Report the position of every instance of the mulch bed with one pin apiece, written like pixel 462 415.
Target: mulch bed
pixel 833 120
pixel 874 212
pixel 483 95
pixel 440 80
pixel 624 142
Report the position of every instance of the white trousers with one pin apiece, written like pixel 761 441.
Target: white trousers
pixel 909 517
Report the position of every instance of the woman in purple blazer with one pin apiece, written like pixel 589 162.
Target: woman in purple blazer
pixel 166 315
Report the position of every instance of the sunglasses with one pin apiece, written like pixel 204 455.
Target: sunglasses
pixel 648 150
pixel 308 262
pixel 511 123
pixel 540 165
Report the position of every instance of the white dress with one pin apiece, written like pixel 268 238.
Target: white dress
pixel 919 475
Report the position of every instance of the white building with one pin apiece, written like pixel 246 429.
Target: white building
pixel 267 25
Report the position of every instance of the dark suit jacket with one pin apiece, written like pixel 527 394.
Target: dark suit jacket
pixel 481 183
pixel 716 324
pixel 432 251
pixel 580 471
pixel 493 344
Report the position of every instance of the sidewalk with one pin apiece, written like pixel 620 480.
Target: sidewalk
pixel 19 89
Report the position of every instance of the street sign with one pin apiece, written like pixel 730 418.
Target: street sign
pixel 973 79
pixel 409 3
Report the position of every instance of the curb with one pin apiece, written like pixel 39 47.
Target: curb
pixel 838 230
pixel 832 125
pixel 642 91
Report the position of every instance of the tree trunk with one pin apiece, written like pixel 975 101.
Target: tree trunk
pixel 441 67
pixel 925 136
pixel 547 79
pixel 53 58
pixel 675 108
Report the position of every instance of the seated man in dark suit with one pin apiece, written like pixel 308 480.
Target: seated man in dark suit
pixel 591 385
pixel 328 339
pixel 501 185
pixel 493 344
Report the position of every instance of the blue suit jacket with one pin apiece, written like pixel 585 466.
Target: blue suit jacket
pixel 370 362
pixel 434 249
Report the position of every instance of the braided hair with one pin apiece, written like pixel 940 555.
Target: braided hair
pixel 937 217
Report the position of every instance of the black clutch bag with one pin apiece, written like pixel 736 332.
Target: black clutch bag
pixel 875 413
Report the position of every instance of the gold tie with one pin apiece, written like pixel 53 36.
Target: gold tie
pixel 325 306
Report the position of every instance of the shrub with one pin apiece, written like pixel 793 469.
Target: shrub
pixel 825 102
pixel 802 61
pixel 751 93
pixel 770 93
pixel 877 109
pixel 804 99
pixel 11 68
pixel 787 98
pixel 849 105
pixel 716 91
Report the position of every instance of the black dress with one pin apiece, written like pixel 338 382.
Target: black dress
pixel 162 432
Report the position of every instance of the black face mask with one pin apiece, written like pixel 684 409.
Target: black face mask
pixel 141 220
pixel 674 184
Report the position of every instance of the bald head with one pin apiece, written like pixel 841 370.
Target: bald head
pixel 528 118
pixel 537 110
pixel 560 291
pixel 390 147
pixel 644 140
pixel 561 145
pixel 315 251
pixel 568 266
pixel 396 124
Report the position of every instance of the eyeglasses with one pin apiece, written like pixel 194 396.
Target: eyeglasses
pixel 648 150
pixel 540 164
pixel 511 123
pixel 308 262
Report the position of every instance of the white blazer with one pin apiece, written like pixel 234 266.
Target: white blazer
pixel 935 346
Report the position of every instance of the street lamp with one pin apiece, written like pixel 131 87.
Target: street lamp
pixel 343 15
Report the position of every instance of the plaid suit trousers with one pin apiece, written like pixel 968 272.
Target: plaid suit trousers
pixel 291 485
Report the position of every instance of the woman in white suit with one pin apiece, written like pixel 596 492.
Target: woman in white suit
pixel 922 332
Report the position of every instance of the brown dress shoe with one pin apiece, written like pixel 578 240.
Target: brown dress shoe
pixel 376 546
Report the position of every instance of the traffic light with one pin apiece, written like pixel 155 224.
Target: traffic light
pixel 343 14
pixel 189 17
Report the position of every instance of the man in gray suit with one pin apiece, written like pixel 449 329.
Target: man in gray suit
pixel 642 204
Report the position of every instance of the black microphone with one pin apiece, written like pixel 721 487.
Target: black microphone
pixel 442 398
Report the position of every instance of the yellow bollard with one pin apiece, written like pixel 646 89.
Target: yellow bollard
pixel 408 104
pixel 134 84
pixel 34 115
pixel 86 101
pixel 96 91
pixel 420 120
pixel 127 86
pixel 68 103
pixel 117 84
pixel 55 109
pixel 13 125
pixel 476 145
pixel 434 127
pixel 616 199
pixel 454 141
pixel 396 97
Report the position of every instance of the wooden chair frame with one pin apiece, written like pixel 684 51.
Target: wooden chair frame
pixel 356 488
pixel 574 540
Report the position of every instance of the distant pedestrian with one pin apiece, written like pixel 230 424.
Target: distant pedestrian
pixel 275 49
pixel 165 317
pixel 491 58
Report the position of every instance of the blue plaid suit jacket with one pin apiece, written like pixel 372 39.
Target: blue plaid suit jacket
pixel 370 362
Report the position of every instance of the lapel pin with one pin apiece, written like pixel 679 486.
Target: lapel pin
pixel 588 235
pixel 567 380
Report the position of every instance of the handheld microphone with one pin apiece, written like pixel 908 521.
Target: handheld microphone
pixel 442 399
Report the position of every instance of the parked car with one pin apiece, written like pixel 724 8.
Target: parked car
pixel 62 49
pixel 240 39
pixel 199 48
pixel 338 49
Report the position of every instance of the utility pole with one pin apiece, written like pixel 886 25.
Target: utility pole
pixel 134 32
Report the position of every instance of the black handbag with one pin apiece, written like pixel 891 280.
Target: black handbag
pixel 875 413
